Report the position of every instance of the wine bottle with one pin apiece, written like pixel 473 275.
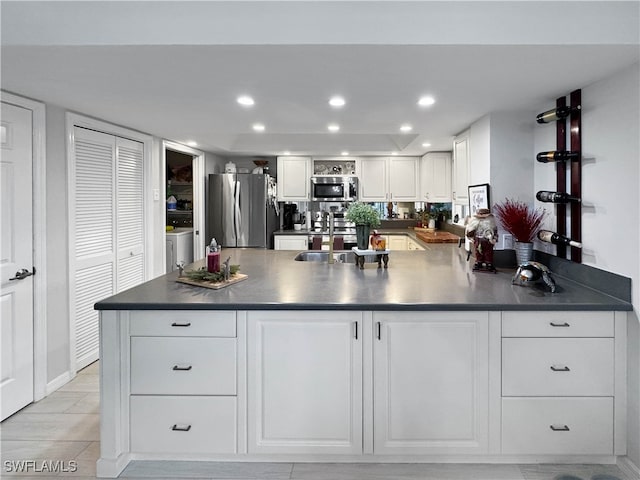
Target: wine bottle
pixel 558 156
pixel 557 239
pixel 555 114
pixel 556 197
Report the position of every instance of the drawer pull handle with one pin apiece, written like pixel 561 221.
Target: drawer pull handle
pixel 564 368
pixel 176 324
pixel 563 428
pixel 176 428
pixel 556 324
pixel 184 369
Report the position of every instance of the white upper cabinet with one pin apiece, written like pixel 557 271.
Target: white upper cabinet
pixel 389 179
pixel 373 179
pixel 461 168
pixel 294 174
pixel 435 177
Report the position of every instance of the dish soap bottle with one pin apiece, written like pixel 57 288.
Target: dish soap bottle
pixel 213 257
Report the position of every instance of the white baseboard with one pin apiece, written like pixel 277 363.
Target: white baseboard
pixel 111 468
pixel 628 467
pixel 58 382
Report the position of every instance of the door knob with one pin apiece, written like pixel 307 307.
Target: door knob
pixel 23 273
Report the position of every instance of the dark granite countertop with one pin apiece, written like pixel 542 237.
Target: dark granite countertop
pixel 438 278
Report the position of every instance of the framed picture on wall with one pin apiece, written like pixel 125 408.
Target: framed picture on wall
pixel 478 197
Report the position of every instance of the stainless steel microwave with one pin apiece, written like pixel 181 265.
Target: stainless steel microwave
pixel 334 189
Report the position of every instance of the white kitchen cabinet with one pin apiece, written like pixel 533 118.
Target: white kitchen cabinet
pixel 560 390
pixel 404 179
pixel 435 177
pixel 397 242
pixel 413 245
pixel 304 382
pixel 373 179
pixel 460 180
pixel 431 382
pixel 290 242
pixel 389 179
pixel 294 178
pixel 183 384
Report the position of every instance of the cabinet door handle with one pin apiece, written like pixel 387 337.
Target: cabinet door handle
pixel 355 326
pixel 183 369
pixel 563 428
pixel 556 324
pixel 176 324
pixel 563 368
pixel 177 428
pixel 379 335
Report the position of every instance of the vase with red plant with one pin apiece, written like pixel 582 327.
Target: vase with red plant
pixel 521 221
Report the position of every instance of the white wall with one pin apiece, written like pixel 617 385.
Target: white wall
pixel 610 192
pixel 512 162
pixel 57 241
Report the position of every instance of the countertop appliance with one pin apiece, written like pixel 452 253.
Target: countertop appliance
pixel 328 188
pixel 242 209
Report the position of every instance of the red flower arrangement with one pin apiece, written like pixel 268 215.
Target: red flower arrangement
pixel 519 219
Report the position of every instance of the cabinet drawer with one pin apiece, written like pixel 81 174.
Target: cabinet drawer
pixel 557 366
pixel 183 424
pixel 185 366
pixel 557 324
pixel 583 426
pixel 183 323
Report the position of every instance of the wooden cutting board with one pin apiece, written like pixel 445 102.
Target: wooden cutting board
pixel 238 277
pixel 437 237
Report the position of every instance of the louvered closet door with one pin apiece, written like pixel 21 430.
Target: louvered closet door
pixel 107 208
pixel 130 214
pixel 93 234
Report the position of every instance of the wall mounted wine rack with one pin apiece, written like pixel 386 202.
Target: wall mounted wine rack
pixel 575 171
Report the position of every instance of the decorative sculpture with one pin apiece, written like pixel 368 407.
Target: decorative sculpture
pixel 482 230
pixel 530 272
pixel 227 269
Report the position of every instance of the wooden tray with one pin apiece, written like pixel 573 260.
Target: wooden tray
pixel 238 277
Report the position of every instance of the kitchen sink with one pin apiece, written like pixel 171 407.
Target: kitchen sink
pixel 323 256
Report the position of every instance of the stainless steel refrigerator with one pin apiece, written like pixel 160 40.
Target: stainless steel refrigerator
pixel 241 210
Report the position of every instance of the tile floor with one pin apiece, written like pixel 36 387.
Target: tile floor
pixel 65 426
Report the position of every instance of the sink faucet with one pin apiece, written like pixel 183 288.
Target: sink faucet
pixel 330 259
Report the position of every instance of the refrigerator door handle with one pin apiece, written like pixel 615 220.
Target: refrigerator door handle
pixel 237 220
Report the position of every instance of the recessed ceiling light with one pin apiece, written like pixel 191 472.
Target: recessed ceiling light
pixel 426 101
pixel 191 143
pixel 333 127
pixel 286 152
pixel 394 153
pixel 336 101
pixel 344 153
pixel 245 100
pixel 258 127
pixel 406 128
pixel 426 144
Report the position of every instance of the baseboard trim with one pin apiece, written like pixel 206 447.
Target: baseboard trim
pixel 111 468
pixel 628 467
pixel 58 382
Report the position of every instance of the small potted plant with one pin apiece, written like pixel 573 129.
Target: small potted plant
pixel 521 221
pixel 365 217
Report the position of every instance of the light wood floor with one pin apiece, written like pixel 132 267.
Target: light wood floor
pixel 65 426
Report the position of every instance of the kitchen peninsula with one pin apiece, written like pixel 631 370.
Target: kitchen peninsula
pixel 423 362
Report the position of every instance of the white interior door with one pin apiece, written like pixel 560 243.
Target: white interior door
pixel 16 260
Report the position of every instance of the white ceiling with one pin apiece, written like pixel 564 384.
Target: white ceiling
pixel 188 92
